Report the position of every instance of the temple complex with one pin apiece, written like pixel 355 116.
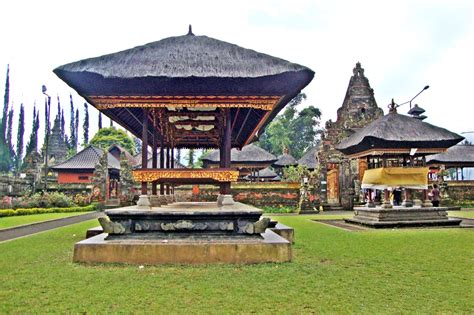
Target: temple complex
pixel 187 92
pixel 340 178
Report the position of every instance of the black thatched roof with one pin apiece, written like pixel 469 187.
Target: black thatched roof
pixel 458 154
pixel 138 163
pixel 87 159
pixel 309 159
pixel 188 66
pixel 398 131
pixel 199 63
pixel 250 154
pixel 285 160
pixel 265 173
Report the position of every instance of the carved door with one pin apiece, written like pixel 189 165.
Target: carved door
pixel 333 186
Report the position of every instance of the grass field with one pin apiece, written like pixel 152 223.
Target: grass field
pixel 7 222
pixel 334 271
pixel 462 214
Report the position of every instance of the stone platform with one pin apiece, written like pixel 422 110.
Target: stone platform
pixel 189 233
pixel 402 217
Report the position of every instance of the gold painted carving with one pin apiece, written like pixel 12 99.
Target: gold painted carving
pixel 151 175
pixel 266 103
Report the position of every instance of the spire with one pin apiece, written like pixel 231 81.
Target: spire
pixel 190 31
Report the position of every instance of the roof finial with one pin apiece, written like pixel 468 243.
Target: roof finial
pixel 392 107
pixel 190 31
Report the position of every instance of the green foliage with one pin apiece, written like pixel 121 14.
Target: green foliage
pixel 6 100
pixel 5 161
pixel 44 200
pixel 106 137
pixel 19 138
pixel 191 156
pixel 294 130
pixel 29 211
pixel 280 209
pixel 85 126
pixel 73 131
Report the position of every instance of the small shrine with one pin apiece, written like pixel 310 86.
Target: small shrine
pixel 394 149
pixel 191 92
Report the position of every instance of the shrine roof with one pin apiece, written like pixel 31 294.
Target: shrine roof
pixel 309 158
pixel 265 173
pixel 458 154
pixel 285 159
pixel 396 131
pixel 87 159
pixel 250 154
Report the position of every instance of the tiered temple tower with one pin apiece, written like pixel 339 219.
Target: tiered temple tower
pixel 57 150
pixel 342 176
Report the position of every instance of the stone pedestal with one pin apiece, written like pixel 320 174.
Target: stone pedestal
pixel 402 217
pixel 144 202
pixel 225 200
pixel 155 201
pixel 162 199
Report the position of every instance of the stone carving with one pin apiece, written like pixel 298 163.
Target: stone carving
pixel 253 228
pixel 111 227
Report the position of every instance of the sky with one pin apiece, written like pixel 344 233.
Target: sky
pixel 402 45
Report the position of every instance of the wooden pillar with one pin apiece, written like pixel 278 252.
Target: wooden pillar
pixel 145 147
pixel 154 161
pixel 226 145
pixel 167 166
pixel 162 162
pixel 172 166
pixel 407 201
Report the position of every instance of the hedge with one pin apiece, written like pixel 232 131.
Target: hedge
pixel 10 212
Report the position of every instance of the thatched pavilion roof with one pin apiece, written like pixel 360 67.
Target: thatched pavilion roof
pixel 396 131
pixel 458 155
pixel 285 160
pixel 309 159
pixel 266 173
pixel 191 69
pixel 250 154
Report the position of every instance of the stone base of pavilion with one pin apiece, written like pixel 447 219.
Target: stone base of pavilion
pixel 185 233
pixel 379 217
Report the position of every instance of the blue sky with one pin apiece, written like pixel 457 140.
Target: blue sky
pixel 403 45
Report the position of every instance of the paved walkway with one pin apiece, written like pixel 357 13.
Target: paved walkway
pixel 25 230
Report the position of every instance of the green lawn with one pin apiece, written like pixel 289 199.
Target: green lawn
pixel 7 222
pixel 462 214
pixel 334 271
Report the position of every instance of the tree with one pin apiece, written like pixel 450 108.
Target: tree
pixel 32 146
pixel 76 128
pixel 85 126
pixel 63 130
pixel 6 100
pixel 294 130
pixel 106 137
pixel 100 120
pixel 73 143
pixel 8 139
pixel 19 138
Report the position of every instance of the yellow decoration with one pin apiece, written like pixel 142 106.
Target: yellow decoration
pixel 218 175
pixel 191 102
pixel 387 177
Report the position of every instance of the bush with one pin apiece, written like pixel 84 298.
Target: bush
pixel 280 209
pixel 29 211
pixel 46 200
pixel 82 200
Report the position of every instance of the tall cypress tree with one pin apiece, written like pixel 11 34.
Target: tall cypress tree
pixel 72 127
pixel 47 113
pixel 9 141
pixel 111 123
pixel 19 138
pixel 85 126
pixel 76 127
pixel 6 100
pixel 63 123
pixel 100 120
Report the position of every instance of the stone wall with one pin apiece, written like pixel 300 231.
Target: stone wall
pixel 11 186
pixel 256 194
pixel 457 193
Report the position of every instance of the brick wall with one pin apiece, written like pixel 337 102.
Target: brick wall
pixel 77 178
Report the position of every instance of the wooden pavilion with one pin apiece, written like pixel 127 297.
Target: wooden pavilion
pixel 394 149
pixel 188 92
